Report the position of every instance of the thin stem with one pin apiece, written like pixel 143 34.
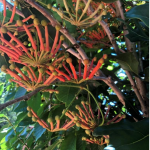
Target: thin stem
pixel 88 94
pixel 70 103
pixel 97 105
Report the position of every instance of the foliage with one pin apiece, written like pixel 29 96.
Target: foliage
pixel 88 103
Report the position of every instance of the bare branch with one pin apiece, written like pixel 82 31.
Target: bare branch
pixel 23 98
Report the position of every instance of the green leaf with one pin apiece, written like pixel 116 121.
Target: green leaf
pixel 96 147
pixel 38 131
pixel 20 106
pixel 25 122
pixel 9 13
pixel 55 15
pixel 9 135
pixel 80 144
pixel 71 28
pixel 128 62
pixel 20 117
pixel 126 135
pixel 20 92
pixel 69 143
pixel 66 94
pixel 90 49
pixel 140 12
pixel 53 146
pixel 30 142
pixel 2 115
pixel 3 132
pixel 60 2
pixel 13 140
pixel 136 34
pixel 10 95
pixel 35 102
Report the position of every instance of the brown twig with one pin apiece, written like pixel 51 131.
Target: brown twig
pixel 23 98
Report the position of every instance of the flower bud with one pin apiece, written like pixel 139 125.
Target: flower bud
pixel 19 23
pixel 50 120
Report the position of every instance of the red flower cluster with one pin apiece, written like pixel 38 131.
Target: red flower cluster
pixel 93 37
pixel 88 71
pixel 49 127
pixel 96 35
pixel 86 118
pixel 41 63
pixel 37 58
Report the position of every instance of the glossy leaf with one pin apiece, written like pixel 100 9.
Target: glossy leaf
pixel 35 102
pixel 54 145
pixel 69 143
pixel 66 94
pixel 140 12
pixel 136 34
pixel 20 92
pixel 20 106
pixel 20 117
pixel 126 135
pixel 128 62
pixel 10 96
pixel 38 131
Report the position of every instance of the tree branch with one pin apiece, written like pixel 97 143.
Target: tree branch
pixel 110 36
pixel 23 98
pixel 125 31
pixel 70 50
pixel 111 84
pixel 143 107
